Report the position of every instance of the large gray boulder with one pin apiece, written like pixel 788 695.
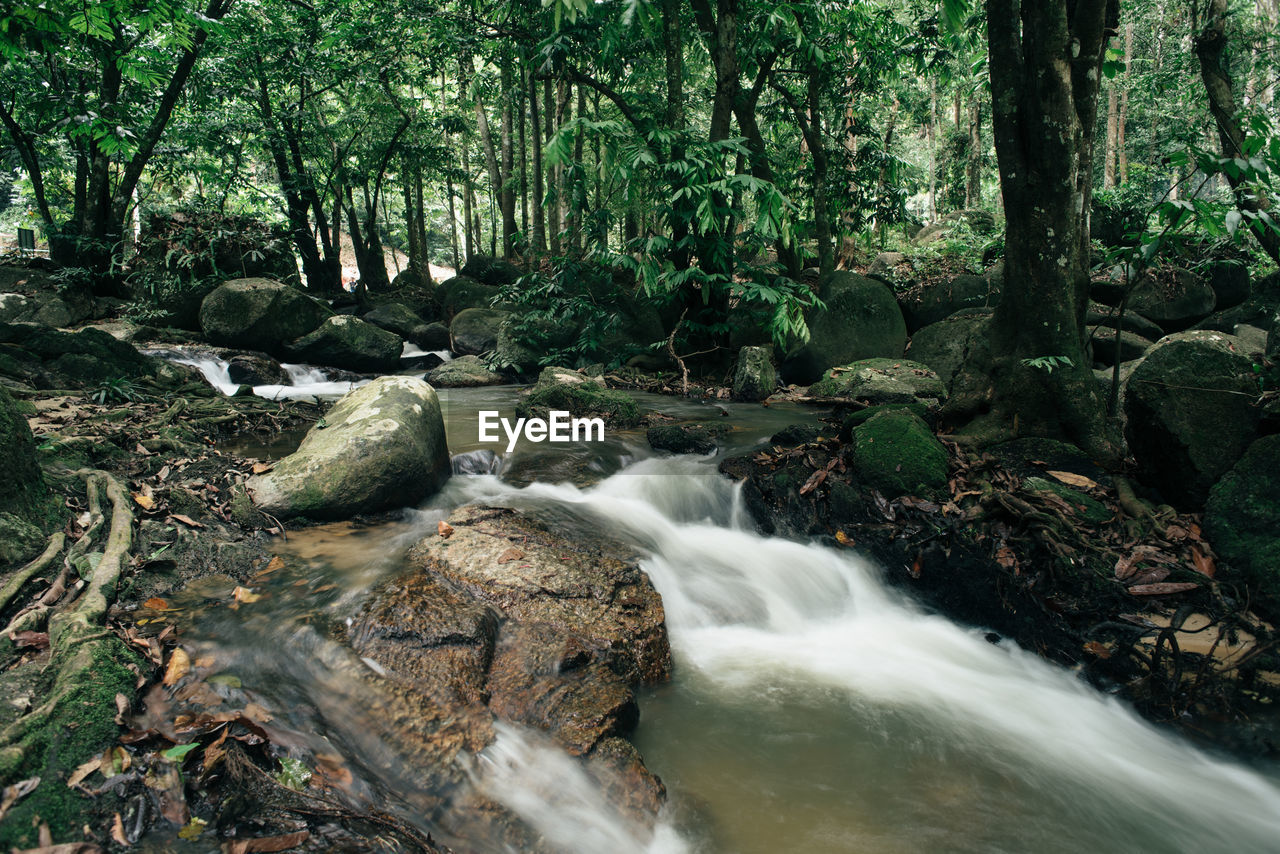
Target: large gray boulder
pixel 381 446
pixel 349 343
pixel 880 381
pixel 862 321
pixel 930 303
pixel 475 331
pixel 943 346
pixel 1103 346
pixel 754 378
pixel 464 372
pixel 463 292
pixel 1240 517
pixel 401 320
pixel 259 314
pixel 1191 412
pixel 1173 298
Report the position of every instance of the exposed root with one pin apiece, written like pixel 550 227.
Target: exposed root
pixel 16 581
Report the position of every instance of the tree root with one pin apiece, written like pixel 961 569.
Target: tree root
pixel 16 581
pixel 92 606
pixel 179 406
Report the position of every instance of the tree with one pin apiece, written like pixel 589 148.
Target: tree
pixel 95 83
pixel 1032 377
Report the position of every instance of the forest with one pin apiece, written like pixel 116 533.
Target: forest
pixel 936 345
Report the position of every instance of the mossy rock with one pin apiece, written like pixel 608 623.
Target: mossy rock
pixel 1084 507
pixel 1240 517
pixel 259 314
pixel 349 343
pixel 464 372
pixel 685 438
pixel 22 488
pixel 879 381
pixel 795 434
pixel 754 378
pixel 587 399
pixel 474 331
pixel 861 321
pixel 896 452
pixel 852 421
pixel 19 539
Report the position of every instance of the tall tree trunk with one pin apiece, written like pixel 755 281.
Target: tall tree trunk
pixel 558 210
pixel 931 131
pixel 578 191
pixel 420 226
pixel 674 121
pixel 524 158
pixel 1210 45
pixel 471 234
pixel 1122 121
pixel 1045 59
pixel 973 162
pixel 539 221
pixel 506 188
pixel 1111 154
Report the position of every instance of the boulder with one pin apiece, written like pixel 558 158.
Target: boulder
pixel 861 321
pixel 259 314
pixel 349 343
pixel 754 378
pixel 17 308
pixel 1229 281
pixel 256 369
pixel 401 320
pixel 52 358
pixel 1172 298
pixel 876 381
pixel 896 453
pixel 1108 316
pixel 795 434
pixel 490 271
pixel 1191 413
pixel 685 438
pixel 1103 346
pixel 928 304
pixel 1240 516
pixel 20 541
pixel 587 399
pixel 943 346
pixel 885 265
pixel 53 310
pixel 474 331
pixel 435 337
pixel 463 292
pixel 22 489
pixel 556 375
pixel 380 446
pixel 464 372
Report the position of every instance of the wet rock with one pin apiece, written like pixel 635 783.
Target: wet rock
pixel 944 346
pixel 685 438
pixel 259 314
pixel 1173 298
pixel 861 416
pixel 381 446
pixel 1240 516
pixel 754 377
pixel 52 358
pixel 1108 316
pixel 1191 413
pixel 862 321
pixel 349 343
pixel 877 381
pixel 896 453
pixel 401 320
pixel 556 375
pixel 928 304
pixel 435 337
pixel 256 369
pixel 795 434
pixel 464 372
pixel 474 331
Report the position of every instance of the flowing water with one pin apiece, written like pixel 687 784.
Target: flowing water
pixel 812 708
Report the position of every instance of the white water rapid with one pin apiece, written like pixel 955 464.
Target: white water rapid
pixel 992 748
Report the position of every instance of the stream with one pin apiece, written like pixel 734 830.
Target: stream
pixel 812 708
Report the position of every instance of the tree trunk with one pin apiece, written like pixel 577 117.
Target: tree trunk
pixel 1210 44
pixel 1122 150
pixel 468 204
pixel 973 163
pixel 931 131
pixel 558 210
pixel 524 159
pixel 539 221
pixel 506 187
pixel 1045 65
pixel 1111 156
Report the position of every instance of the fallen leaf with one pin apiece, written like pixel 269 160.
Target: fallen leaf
pixel 1162 589
pixel 1071 479
pixel 186 520
pixel 179 666
pixel 269 843
pixel 192 830
pixel 146 502
pixel 117 831
pixel 156 604
pixel 163 475
pixel 444 529
pixel 1099 650
pixel 814 481
pixel 82 773
pixel 141 451
pixel 262 468
pixel 844 539
pixel 244 594
pixel 30 640
pixel 115 760
pixel 510 555
pixel 257 713
pixel 1006 558
pixel 1203 562
pixel 16 792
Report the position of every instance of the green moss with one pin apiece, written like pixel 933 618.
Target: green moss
pixel 861 416
pixel 897 453
pixel 1241 515
pixel 881 381
pixel 1085 508
pixel 75 722
pixel 586 399
pixel 22 488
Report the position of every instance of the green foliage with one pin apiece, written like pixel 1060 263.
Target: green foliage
pixel 576 298
pixel 1048 363
pixel 118 390
pixel 293 774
